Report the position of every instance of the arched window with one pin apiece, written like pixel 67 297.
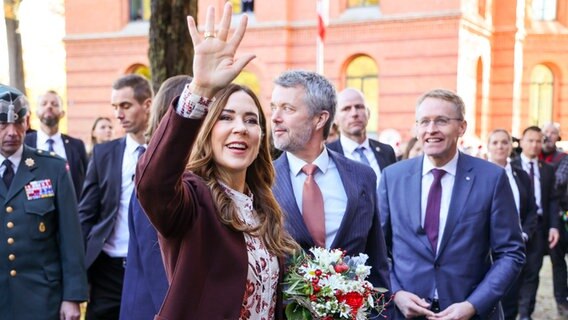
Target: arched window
pixel 541 95
pixel 361 3
pixel 139 10
pixel 250 80
pixel 141 70
pixel 241 6
pixel 544 10
pixel 362 73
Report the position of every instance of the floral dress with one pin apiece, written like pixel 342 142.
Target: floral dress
pixel 259 301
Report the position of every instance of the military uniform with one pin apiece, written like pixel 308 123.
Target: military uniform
pixel 41 247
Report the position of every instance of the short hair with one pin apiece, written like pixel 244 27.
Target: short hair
pixel 499 130
pixel 320 93
pixel 140 85
pixel 532 128
pixel 53 92
pixel 446 95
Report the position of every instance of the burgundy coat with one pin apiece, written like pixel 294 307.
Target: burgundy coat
pixel 206 262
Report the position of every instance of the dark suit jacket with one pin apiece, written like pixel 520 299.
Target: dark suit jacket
pixel 481 252
pixel 48 255
pixel 76 157
pixel 527 202
pixel 206 262
pixel 548 195
pixel 360 230
pixel 145 283
pixel 100 201
pixel 383 152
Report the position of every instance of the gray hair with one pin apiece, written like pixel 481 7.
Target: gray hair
pixel 446 95
pixel 320 93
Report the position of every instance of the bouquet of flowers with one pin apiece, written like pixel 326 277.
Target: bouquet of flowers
pixel 329 285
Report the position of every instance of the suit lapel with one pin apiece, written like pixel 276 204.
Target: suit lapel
pixel 284 194
pixel 378 154
pixel 23 175
pixel 351 187
pixel 116 168
pixel 413 181
pixel 462 186
pixel 68 150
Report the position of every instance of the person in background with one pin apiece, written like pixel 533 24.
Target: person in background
pixel 447 222
pixel 352 117
pixel 499 147
pixel 205 185
pixel 43 273
pixel 145 282
pixel 50 111
pixel 413 149
pixel 108 187
pixel 333 133
pixel 100 133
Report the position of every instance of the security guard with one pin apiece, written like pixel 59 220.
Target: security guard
pixel 42 271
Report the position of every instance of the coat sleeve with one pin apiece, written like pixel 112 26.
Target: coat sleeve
pixel 89 206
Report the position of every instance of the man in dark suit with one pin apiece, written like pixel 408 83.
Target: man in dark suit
pixel 352 117
pixel 43 273
pixel 346 214
pixel 49 111
pixel 547 231
pixel 106 194
pixel 447 222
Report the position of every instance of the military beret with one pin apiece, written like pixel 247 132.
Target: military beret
pixel 13 104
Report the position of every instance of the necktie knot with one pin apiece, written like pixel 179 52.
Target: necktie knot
pixel 362 157
pixel 49 144
pixel 309 169
pixel 140 151
pixel 438 174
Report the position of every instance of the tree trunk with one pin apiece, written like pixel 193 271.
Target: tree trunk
pixel 15 60
pixel 171 50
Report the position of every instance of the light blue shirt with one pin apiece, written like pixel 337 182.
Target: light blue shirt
pixel 331 186
pixel 349 146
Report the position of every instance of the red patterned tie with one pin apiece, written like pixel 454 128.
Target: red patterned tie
pixel 312 206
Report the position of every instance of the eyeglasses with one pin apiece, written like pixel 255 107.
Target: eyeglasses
pixel 438 122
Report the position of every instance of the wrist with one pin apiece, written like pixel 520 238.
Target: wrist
pixel 200 90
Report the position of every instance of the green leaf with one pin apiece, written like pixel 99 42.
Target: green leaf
pixel 294 311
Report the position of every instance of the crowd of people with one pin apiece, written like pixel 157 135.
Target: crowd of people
pixel 189 216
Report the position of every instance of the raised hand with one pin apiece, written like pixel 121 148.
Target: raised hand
pixel 214 63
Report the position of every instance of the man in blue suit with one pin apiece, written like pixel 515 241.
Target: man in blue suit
pixel 50 111
pixel 450 223
pixel 108 187
pixel 346 216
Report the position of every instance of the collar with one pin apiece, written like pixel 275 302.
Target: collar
pixel 450 167
pixel 15 158
pixel 349 145
pixel 296 164
pixel 131 145
pixel 526 160
pixel 42 137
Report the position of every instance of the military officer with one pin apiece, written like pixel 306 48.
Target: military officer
pixel 42 270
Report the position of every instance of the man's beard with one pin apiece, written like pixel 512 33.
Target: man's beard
pixel 50 121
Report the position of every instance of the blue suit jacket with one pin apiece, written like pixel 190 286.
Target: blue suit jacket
pixel 100 199
pixel 360 230
pixel 481 252
pixel 76 158
pixel 145 283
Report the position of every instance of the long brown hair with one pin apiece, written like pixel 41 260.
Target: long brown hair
pixel 259 178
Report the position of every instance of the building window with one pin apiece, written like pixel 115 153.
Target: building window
pixel 250 80
pixel 361 3
pixel 544 10
pixel 541 95
pixel 362 73
pixel 139 10
pixel 242 6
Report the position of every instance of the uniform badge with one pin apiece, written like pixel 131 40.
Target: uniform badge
pixel 39 189
pixel 30 162
pixel 41 227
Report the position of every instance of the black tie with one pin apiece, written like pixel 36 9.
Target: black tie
pixel 50 144
pixel 8 173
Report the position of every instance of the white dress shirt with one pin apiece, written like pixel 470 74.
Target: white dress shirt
pixel 447 186
pixel 537 190
pixel 58 146
pixel 117 243
pixel 331 186
pixel 349 146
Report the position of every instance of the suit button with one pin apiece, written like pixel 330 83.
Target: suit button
pixel 9 209
pixel 10 224
pixel 10 241
pixel 13 273
pixel 11 257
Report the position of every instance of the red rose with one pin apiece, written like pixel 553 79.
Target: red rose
pixel 354 300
